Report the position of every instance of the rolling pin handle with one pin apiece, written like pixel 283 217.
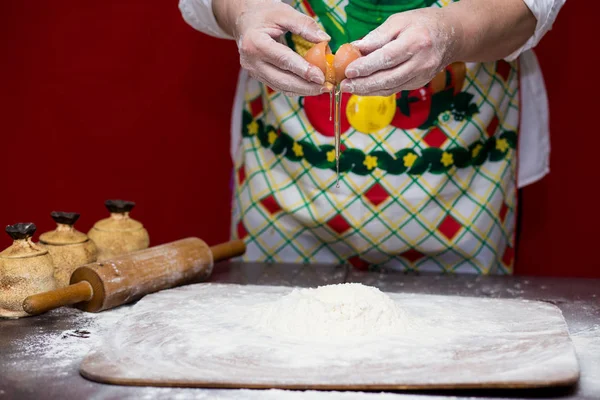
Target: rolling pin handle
pixel 228 250
pixel 72 294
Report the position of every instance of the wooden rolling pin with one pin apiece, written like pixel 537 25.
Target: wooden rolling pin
pixel 110 283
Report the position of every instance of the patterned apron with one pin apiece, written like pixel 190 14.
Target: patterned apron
pixel 427 177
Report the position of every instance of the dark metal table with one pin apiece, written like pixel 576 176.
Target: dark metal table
pixel 23 374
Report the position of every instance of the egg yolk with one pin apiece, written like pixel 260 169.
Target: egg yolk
pixel 330 75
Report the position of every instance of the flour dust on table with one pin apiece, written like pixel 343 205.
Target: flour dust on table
pixel 220 335
pixel 59 351
pixel 343 311
pixel 587 343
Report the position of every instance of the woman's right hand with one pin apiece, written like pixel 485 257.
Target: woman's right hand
pixel 257 26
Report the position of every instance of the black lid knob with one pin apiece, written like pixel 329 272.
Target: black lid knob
pixel 119 206
pixel 22 230
pixel 67 218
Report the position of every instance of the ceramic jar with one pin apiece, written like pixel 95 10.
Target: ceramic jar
pixel 68 247
pixel 118 234
pixel 26 268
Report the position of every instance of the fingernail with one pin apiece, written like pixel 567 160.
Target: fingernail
pixel 323 36
pixel 352 73
pixel 325 89
pixel 347 87
pixel 316 77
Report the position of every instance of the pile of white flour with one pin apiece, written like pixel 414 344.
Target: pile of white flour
pixel 344 310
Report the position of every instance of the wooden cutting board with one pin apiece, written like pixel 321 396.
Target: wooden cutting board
pixel 204 336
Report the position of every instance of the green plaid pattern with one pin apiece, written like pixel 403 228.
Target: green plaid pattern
pixel 460 218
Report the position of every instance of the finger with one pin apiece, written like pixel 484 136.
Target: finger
pixel 380 36
pixel 380 81
pixel 302 25
pixel 387 57
pixel 409 85
pixel 413 83
pixel 285 81
pixel 286 59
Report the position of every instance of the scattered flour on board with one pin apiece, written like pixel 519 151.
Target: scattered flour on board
pixel 216 332
pixel 341 310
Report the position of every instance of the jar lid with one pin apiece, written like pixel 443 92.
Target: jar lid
pixel 22 230
pixel 65 233
pixel 23 246
pixel 119 220
pixel 119 206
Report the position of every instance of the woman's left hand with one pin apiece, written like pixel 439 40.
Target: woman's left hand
pixel 404 53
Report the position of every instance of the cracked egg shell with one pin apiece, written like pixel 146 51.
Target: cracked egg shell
pixel 333 66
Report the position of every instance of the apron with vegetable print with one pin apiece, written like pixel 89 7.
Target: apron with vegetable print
pixel 427 177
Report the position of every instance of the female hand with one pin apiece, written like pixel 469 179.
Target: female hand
pixel 257 26
pixel 404 53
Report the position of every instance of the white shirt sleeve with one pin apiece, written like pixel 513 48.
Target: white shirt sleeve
pixel 545 11
pixel 199 15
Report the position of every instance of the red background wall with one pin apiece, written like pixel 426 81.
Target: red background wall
pixel 122 99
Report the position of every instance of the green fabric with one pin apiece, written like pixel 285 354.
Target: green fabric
pixel 362 17
pixel 333 25
pixel 365 15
